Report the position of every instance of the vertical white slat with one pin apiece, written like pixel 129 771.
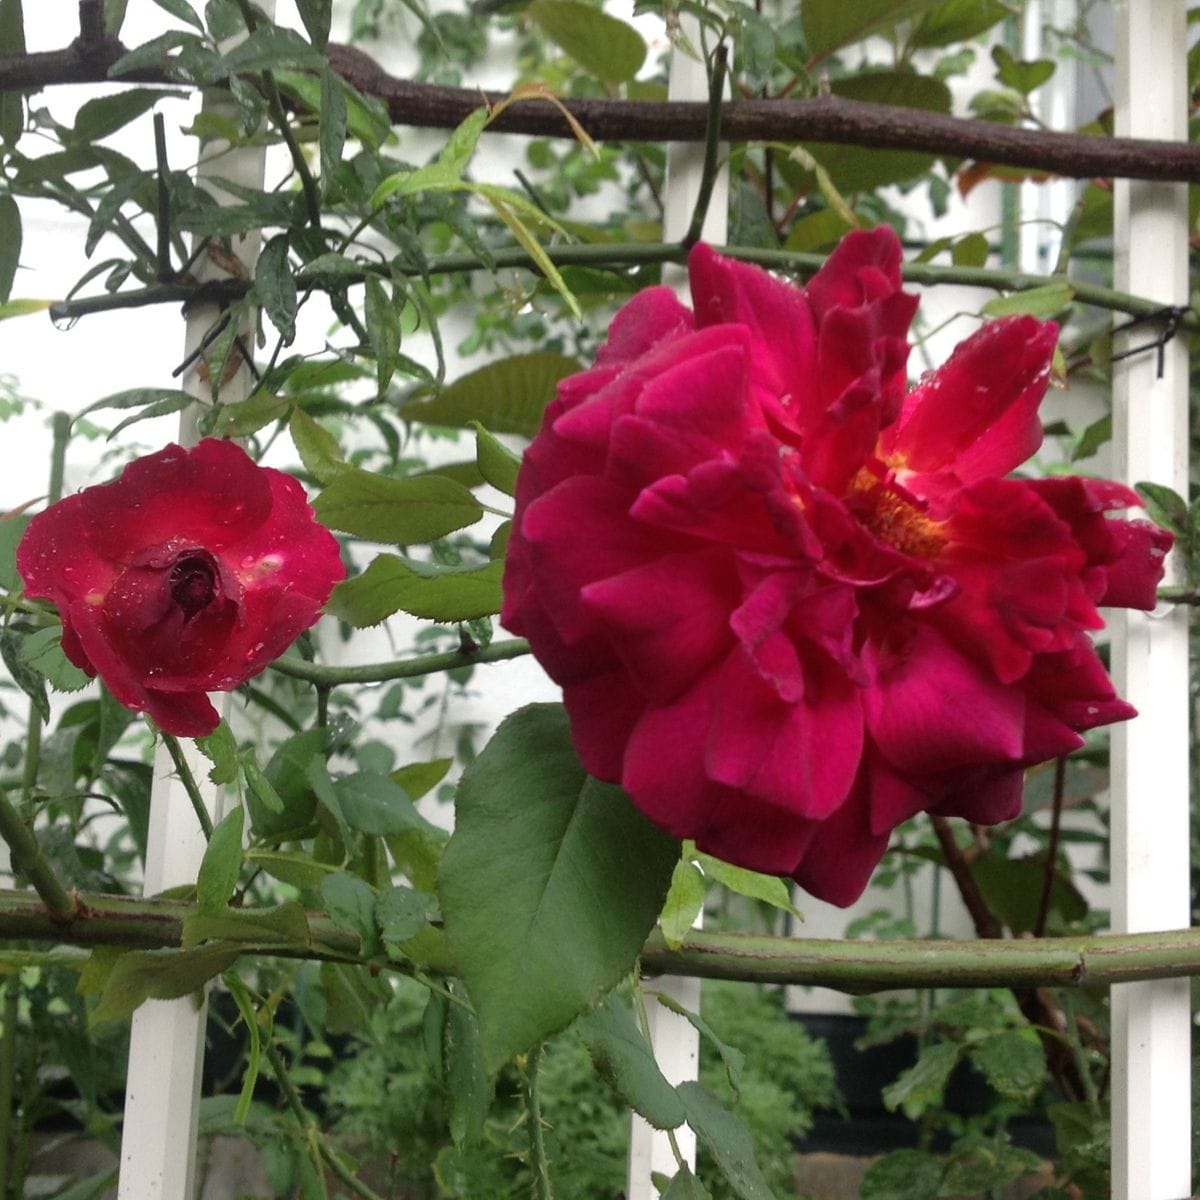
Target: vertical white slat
pixel 166 1050
pixel 675 1040
pixel 1151 1095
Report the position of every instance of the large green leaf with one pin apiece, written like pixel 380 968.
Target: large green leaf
pixel 508 396
pixel 402 512
pixel 957 21
pixel 10 244
pixel 138 975
pixel 608 48
pixel 727 1140
pixel 623 1059
pixel 535 924
pixel 394 584
pixel 222 863
pixel 831 24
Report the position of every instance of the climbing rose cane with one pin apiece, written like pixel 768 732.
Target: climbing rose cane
pixel 791 606
pixel 187 574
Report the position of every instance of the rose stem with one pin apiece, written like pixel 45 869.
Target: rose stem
pixel 405 668
pixel 313 1137
pixel 28 858
pixel 1060 782
pixel 712 144
pixel 537 1144
pixel 60 425
pixel 189 782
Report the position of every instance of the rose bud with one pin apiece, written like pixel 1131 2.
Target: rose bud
pixel 790 603
pixel 187 574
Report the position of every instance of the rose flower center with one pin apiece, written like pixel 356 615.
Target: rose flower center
pixel 894 517
pixel 193 584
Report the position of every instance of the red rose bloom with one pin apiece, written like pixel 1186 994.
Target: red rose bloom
pixel 187 574
pixel 791 606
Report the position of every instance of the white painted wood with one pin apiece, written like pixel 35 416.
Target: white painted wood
pixel 675 1040
pixel 166 1051
pixel 1151 1020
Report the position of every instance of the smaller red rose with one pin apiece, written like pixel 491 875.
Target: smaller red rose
pixel 187 574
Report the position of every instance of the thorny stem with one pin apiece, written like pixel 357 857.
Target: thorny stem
pixel 175 750
pixel 1084 1071
pixel 405 668
pixel 540 1165
pixel 712 144
pixel 1060 780
pixel 11 989
pixel 616 256
pixel 312 1134
pixel 27 857
pixel 312 197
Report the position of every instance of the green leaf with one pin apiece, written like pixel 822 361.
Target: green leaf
pixel 970 251
pixel 1165 507
pixel 22 308
pixel 392 584
pixel 685 1186
pixel 98 118
pixel 283 925
pixel 534 830
pixel 12 530
pixel 1013 1062
pixel 382 314
pixel 222 863
pixel 271 46
pixel 351 905
pixel 625 1062
pixel 685 899
pixel 400 914
pixel 138 975
pixel 903 1175
pixel 183 10
pixel 1098 433
pixel 1012 889
pixel 923 1085
pixel 318 448
pixel 444 174
pixel 316 15
pixel 374 805
pixel 29 680
pixel 333 125
pixel 466 1076
pixel 10 241
pixel 418 778
pixel 138 398
pixel 497 463
pixel 262 790
pixel 768 888
pixel 291 866
pixel 275 286
pixel 1041 302
pixel 831 24
pixel 957 21
pixel 508 396
pixel 732 1058
pixel 403 512
pixel 606 47
pixel 220 748
pixel 1023 77
pixel 43 652
pixel 726 1139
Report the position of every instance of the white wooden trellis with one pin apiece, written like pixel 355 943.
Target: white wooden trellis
pixel 166 1049
pixel 1151 1095
pixel 675 1040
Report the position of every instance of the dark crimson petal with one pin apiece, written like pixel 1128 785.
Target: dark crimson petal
pixel 208 496
pixel 842 853
pixel 800 756
pixel 976 415
pixel 664 775
pixel 667 620
pixel 652 317
pixel 604 711
pixel 1132 579
pixel 934 709
pixel 1074 686
pixel 982 795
